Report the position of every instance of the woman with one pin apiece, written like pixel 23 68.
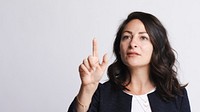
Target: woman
pixel 141 79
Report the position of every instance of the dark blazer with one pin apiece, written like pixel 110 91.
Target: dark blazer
pixel 107 99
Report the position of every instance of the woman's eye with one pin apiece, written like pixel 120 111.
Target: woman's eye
pixel 125 37
pixel 144 38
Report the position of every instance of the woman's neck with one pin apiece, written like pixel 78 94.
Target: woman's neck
pixel 140 82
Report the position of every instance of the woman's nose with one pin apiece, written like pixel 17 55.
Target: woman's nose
pixel 134 42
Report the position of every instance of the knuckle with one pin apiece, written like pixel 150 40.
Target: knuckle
pixel 81 66
pixel 90 57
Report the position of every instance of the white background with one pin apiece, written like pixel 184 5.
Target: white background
pixel 42 43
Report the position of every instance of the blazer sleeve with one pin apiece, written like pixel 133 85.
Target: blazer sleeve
pixel 72 107
pixel 94 105
pixel 185 105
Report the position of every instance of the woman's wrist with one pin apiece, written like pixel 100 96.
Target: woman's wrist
pixel 85 94
pixel 80 106
pixel 89 88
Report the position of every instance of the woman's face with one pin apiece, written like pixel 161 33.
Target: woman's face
pixel 135 45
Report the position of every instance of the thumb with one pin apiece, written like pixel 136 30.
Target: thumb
pixel 104 61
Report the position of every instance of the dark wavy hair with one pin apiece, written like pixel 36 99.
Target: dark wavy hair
pixel 162 65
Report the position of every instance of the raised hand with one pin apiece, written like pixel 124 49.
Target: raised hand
pixel 91 70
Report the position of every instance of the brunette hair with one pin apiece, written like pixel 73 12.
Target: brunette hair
pixel 162 65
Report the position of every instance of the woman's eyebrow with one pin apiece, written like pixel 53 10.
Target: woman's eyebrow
pixel 142 32
pixel 126 31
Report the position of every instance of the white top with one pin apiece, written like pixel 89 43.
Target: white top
pixel 140 103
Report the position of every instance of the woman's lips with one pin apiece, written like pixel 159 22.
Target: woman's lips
pixel 133 54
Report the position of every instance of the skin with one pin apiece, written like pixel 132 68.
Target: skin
pixel 91 72
pixel 135 46
pixel 136 51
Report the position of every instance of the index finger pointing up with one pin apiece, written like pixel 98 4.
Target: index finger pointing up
pixel 94 48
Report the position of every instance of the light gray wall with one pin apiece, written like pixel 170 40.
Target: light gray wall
pixel 42 43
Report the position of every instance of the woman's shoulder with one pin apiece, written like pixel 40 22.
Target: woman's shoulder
pixel 108 87
pixel 184 92
pixel 105 85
